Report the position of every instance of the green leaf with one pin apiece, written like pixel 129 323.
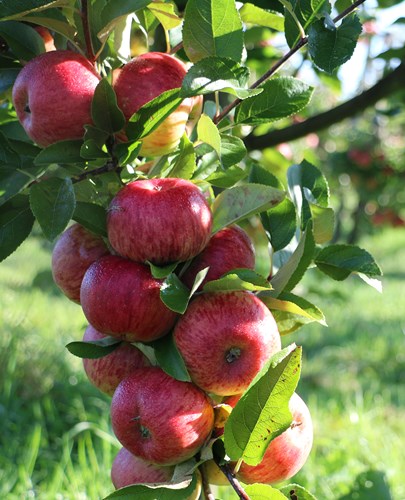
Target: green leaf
pixel 340 261
pixel 113 12
pixel 305 12
pixel 60 153
pixel 280 224
pixel 184 164
pixel 263 492
pixel 53 203
pixel 13 180
pixel 207 132
pixel 166 13
pixel 212 28
pixel 105 112
pixel 213 74
pixel 8 155
pixel 233 150
pixel 169 358
pixel 16 221
pixel 293 270
pixel 251 14
pixel 174 294
pixel 160 272
pixel 152 114
pixel 237 203
pixel 238 279
pixel 367 485
pixel 324 223
pixel 90 150
pixel 127 152
pixel 227 178
pixel 281 97
pixel 296 492
pixel 23 40
pixel 93 217
pixel 262 413
pixel 330 48
pixel 94 349
pixel 54 20
pixel 11 9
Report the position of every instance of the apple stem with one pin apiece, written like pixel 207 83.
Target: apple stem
pixel 234 482
pixel 86 30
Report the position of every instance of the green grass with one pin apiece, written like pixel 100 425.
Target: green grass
pixel 56 441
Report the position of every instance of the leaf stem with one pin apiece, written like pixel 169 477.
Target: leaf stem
pixel 234 482
pixel 84 12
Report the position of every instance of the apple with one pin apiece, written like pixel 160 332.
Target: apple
pixel 160 419
pixel 228 249
pixel 146 77
pixel 121 298
pixel 46 36
pixel 159 220
pixel 214 474
pixel 76 249
pixel 225 338
pixel 287 453
pixel 107 372
pixel 52 96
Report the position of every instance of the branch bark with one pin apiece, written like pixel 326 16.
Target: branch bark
pixel 388 85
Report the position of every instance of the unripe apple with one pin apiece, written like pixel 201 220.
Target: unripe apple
pixel 74 252
pixel 160 419
pixel 287 453
pixel 121 298
pixel 225 339
pixel 228 249
pixel 52 96
pixel 141 80
pixel 107 372
pixel 159 220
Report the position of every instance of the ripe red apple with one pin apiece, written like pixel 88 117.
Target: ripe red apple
pixel 160 419
pixel 287 453
pixel 46 37
pixel 121 298
pixel 228 249
pixel 76 249
pixel 52 96
pixel 107 372
pixel 225 339
pixel 159 220
pixel 143 79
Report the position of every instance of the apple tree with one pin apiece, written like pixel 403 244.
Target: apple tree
pixel 128 134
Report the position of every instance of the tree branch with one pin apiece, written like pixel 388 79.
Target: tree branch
pixel 388 85
pixel 110 166
pixel 84 12
pixel 205 484
pixel 234 482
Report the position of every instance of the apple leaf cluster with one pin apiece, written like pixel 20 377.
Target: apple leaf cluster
pixel 92 123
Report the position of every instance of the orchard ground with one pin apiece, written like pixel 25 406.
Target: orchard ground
pixel 56 440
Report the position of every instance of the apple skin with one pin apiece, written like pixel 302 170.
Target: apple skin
pixel 141 80
pixel 107 372
pixel 228 249
pixel 159 220
pixel 225 338
pixel 74 252
pixel 160 419
pixel 52 96
pixel 121 298
pixel 287 453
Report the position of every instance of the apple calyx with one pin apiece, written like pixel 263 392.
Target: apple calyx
pixel 233 354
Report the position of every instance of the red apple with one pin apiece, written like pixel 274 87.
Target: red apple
pixel 121 298
pixel 143 79
pixel 46 37
pixel 128 469
pixel 159 220
pixel 287 453
pixel 160 419
pixel 107 372
pixel 228 249
pixel 225 339
pixel 52 96
pixel 76 249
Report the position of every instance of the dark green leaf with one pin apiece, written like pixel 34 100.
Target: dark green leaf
pixel 7 78
pixel 174 294
pixel 262 413
pixel 104 109
pixel 339 261
pixel 16 221
pixel 212 29
pixel 296 492
pixel 263 492
pixel 91 216
pixel 11 9
pixel 371 484
pixel 94 349
pixel 184 164
pixel 8 156
pixel 53 203
pixel 281 97
pixel 306 12
pixel 114 11
pixel 54 20
pixel 330 48
pixel 226 178
pixel 127 152
pixel 169 358
pixel 13 181
pixel 61 152
pixel 22 39
pixel 233 150
pixel 238 279
pixel 160 272
pixel 280 224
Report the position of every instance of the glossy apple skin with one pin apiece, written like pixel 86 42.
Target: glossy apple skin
pixel 228 249
pixel 121 298
pixel 52 96
pixel 160 419
pixel 287 453
pixel 76 249
pixel 225 339
pixel 159 220
pixel 107 372
pixel 141 80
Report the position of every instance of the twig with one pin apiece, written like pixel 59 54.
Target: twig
pixel 208 495
pixel 234 482
pixel 86 29
pixel 110 166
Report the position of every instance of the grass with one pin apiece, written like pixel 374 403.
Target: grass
pixel 56 440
